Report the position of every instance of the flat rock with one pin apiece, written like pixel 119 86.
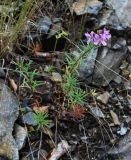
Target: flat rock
pixel 87 67
pixel 9 109
pixel 28 118
pixel 20 136
pixel 104 97
pixel 109 18
pixel 108 62
pixel 87 6
pixel 122 9
pixel 44 24
pixel 97 112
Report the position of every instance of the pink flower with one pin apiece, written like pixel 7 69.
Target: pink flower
pixel 98 39
pixel 104 37
pixel 90 37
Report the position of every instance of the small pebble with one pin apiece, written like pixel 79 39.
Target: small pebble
pixel 56 77
pixel 104 97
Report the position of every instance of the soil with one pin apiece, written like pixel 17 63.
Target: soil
pixel 89 136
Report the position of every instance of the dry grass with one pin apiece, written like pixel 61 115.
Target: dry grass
pixel 13 18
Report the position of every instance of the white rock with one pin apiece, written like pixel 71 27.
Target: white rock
pixel 56 77
pixel 20 136
pixel 104 97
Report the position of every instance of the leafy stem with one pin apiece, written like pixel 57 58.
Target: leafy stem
pixel 83 54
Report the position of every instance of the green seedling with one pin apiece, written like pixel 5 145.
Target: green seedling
pixel 71 83
pixel 29 76
pixel 77 96
pixel 42 119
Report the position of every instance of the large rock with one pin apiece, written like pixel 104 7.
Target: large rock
pixel 9 108
pixel 123 11
pixel 107 63
pixel 44 24
pixel 109 18
pixel 87 6
pixel 87 67
pixel 123 150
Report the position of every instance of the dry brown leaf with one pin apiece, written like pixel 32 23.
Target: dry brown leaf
pixel 114 117
pixel 37 47
pixel 41 109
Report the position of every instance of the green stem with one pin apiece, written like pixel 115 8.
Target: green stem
pixel 77 62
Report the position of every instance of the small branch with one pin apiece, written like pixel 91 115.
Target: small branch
pixel 60 150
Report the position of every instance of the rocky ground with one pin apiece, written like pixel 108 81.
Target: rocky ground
pixel 103 131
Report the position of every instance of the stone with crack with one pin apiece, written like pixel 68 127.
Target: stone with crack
pixel 9 110
pixel 108 62
pixel 122 9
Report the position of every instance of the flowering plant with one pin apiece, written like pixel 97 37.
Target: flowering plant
pixel 76 96
pixel 98 39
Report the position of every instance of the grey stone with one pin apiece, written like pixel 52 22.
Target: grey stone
pixel 107 64
pixel 109 18
pixel 87 67
pixel 28 118
pixel 56 27
pixel 122 9
pixel 123 130
pixel 87 6
pixel 9 109
pixel 97 112
pixel 20 136
pixel 44 24
pixel 120 43
pixel 123 150
pixel 118 79
pixel 129 48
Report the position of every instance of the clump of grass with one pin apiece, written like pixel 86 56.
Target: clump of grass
pixel 28 75
pixel 77 97
pixel 71 85
pixel 72 90
pixel 13 16
pixel 42 119
pixel 71 82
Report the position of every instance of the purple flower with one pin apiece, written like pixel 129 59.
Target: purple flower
pixel 104 37
pixel 90 37
pixel 98 39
